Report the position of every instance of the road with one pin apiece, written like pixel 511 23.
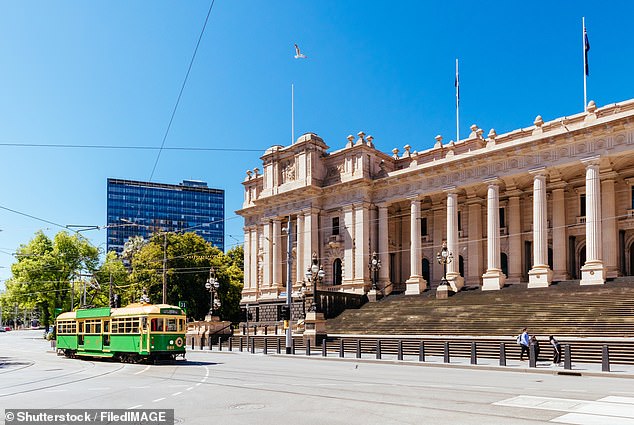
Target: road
pixel 240 388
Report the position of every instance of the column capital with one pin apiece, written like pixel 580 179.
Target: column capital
pixel 538 172
pixel 593 161
pixel 450 190
pixel 383 205
pixel 493 181
pixel 609 175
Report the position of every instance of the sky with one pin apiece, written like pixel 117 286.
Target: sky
pixel 98 82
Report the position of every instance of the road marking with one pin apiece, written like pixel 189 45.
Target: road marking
pixel 141 371
pixel 611 410
pixel 98 389
pixel 178 393
pixel 190 388
pixel 134 407
pixel 158 399
pixel 140 388
pixel 55 391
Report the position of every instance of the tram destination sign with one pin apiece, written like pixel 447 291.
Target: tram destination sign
pixel 171 311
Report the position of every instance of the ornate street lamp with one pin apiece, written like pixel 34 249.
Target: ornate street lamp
pixel 375 266
pixel 314 273
pixel 212 286
pixel 444 257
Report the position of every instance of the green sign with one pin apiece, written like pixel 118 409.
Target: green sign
pixel 170 311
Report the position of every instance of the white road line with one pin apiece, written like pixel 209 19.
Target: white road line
pixel 574 391
pixel 206 371
pixel 134 407
pixel 198 384
pixel 190 388
pixel 55 391
pixel 141 371
pixel 140 388
pixel 178 393
pixel 158 399
pixel 98 389
pixel 583 419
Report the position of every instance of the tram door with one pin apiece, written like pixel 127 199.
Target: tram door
pixel 144 342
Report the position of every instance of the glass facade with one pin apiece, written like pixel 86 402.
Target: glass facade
pixel 155 207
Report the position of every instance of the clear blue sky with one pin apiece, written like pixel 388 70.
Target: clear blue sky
pixel 109 73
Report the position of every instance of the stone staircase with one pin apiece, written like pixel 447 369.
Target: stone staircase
pixel 565 309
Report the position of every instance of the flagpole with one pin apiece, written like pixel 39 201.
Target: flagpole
pixel 457 104
pixel 585 65
pixel 292 113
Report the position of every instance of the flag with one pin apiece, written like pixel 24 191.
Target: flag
pixel 586 49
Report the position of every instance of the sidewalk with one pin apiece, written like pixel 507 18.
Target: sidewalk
pixel 542 366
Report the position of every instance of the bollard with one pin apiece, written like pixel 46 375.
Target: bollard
pixel 502 354
pixel 324 350
pixel 210 344
pixel 275 329
pixel 447 359
pixel 202 342
pixel 358 348
pixel 266 345
pixel 399 352
pixel 421 351
pixel 244 329
pixel 308 347
pixel 241 344
pixel 266 329
pixel 279 345
pixel 193 342
pixel 474 353
pixel 292 346
pixel 255 329
pixel 230 343
pixel 532 356
pixel 219 344
pixel 567 357
pixel 378 349
pixel 605 359
pixel 252 345
pixel 341 348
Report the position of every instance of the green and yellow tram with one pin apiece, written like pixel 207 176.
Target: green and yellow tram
pixel 130 334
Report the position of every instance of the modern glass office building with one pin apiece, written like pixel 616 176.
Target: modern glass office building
pixel 156 207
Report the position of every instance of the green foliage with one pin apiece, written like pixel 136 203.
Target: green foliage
pixel 44 270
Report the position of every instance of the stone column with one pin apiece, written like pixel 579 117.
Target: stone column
pixel 277 254
pixel 348 238
pixel 267 253
pixel 248 282
pixel 610 231
pixel 493 278
pixel 311 238
pixel 362 245
pixel 515 240
pixel 300 258
pixel 384 255
pixel 474 246
pixel 453 274
pixel 415 284
pixel 560 245
pixel 593 271
pixel 540 275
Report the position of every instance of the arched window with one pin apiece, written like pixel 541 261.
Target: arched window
pixel 336 272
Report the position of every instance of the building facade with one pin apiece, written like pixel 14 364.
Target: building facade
pixel 547 203
pixel 155 207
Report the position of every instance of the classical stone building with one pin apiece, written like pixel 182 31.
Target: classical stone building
pixel 551 202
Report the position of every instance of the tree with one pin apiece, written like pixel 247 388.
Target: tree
pixel 46 269
pixel 113 270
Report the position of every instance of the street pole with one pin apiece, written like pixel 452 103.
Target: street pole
pixel 0 316
pixel 289 287
pixel 15 320
pixel 110 291
pixel 72 294
pixel 164 268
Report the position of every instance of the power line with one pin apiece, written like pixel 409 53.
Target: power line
pixel 180 94
pixel 147 148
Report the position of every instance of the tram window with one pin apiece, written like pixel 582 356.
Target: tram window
pixel 88 327
pixel 181 325
pixel 171 325
pixel 81 327
pixel 157 325
pixel 97 327
pixel 115 327
pixel 106 326
pixel 128 326
pixel 135 325
pixel 144 323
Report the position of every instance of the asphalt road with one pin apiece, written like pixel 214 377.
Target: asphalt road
pixel 240 388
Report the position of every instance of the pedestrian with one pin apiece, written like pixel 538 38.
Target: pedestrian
pixel 524 343
pixel 535 344
pixel 556 350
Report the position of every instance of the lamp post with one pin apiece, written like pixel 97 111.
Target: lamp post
pixel 212 286
pixel 314 273
pixel 444 257
pixel 302 295
pixel 374 266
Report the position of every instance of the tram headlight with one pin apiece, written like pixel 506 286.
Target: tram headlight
pixel 171 342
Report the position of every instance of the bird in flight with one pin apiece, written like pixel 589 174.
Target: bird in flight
pixel 298 54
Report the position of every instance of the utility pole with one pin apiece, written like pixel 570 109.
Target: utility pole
pixel 289 287
pixel 72 294
pixel 164 268
pixel 110 291
pixel 0 316
pixel 15 320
